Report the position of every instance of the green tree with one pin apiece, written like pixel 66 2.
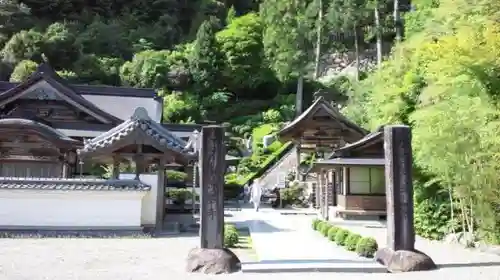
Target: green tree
pixel 205 60
pixel 243 52
pixel 288 38
pixel 23 45
pixel 60 46
pixel 23 70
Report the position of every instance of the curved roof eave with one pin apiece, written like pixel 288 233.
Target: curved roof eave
pixel 43 130
pixel 161 138
pixel 320 102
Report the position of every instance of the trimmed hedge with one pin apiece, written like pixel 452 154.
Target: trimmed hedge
pixel 352 240
pixel 367 247
pixel 324 230
pixel 363 246
pixel 231 236
pixel 332 232
pixel 316 223
pixel 341 237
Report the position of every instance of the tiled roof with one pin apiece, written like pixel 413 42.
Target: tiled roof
pixel 139 122
pixel 72 184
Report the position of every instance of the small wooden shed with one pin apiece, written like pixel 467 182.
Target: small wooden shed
pixel 352 179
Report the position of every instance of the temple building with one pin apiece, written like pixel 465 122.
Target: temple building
pixel 51 132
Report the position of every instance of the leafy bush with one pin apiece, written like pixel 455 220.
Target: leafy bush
pixel 341 236
pixel 231 236
pixel 326 227
pixel 351 241
pixel 292 195
pixel 367 247
pixel 332 232
pixel 316 223
pixel 179 196
pixel 177 176
pixel 320 226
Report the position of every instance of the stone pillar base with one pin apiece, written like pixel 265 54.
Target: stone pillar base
pixel 213 261
pixel 404 261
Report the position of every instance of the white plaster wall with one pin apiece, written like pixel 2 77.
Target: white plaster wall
pixel 148 204
pixel 99 209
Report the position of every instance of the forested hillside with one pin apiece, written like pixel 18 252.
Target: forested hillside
pixel 240 62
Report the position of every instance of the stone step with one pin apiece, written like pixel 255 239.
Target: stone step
pixel 321 265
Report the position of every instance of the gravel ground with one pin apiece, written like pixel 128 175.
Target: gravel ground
pixel 164 258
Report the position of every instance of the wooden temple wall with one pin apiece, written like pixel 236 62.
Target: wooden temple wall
pixel 30 169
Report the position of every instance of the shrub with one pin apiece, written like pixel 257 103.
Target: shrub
pixel 332 232
pixel 179 196
pixel 320 226
pixel 325 229
pixel 316 223
pixel 367 247
pixel 341 236
pixel 177 176
pixel 351 241
pixel 231 236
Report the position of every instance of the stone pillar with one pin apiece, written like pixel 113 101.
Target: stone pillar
pixel 400 254
pixel 313 194
pixel 212 257
pixel 160 194
pixel 325 194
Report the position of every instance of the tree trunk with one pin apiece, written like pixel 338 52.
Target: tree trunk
pixel 397 22
pixel 318 40
pixel 356 53
pixel 300 94
pixel 379 35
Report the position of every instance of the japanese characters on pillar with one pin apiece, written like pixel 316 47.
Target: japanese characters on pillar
pixel 212 168
pixel 399 187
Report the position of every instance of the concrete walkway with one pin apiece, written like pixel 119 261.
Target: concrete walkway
pixel 286 243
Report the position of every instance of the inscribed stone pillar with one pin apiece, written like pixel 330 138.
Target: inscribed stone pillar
pixel 212 257
pixel 400 254
pixel 325 194
pixel 212 165
pixel 399 188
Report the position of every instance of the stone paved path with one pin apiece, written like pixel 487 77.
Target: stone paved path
pixel 287 242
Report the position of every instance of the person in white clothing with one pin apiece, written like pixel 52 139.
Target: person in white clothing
pixel 256 194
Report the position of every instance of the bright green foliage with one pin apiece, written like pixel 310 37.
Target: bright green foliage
pixel 351 241
pixel 176 176
pixel 287 35
pixel 205 60
pixel 442 81
pixel 326 227
pixel 23 45
pixel 341 236
pixel 367 247
pixel 23 70
pixel 332 232
pixel 231 236
pixel 241 45
pixel 315 223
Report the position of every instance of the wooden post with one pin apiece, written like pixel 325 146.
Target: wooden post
pixel 160 194
pixel 212 165
pixel 139 162
pixel 116 168
pixel 400 254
